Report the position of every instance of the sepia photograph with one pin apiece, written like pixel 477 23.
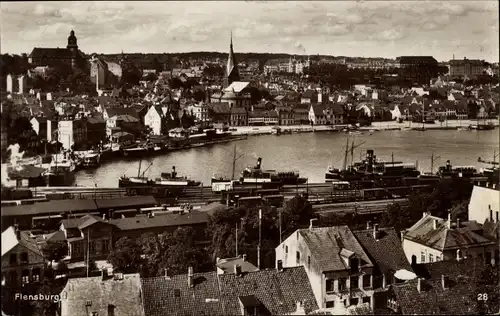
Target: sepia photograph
pixel 254 158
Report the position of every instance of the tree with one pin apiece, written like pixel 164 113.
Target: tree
pixel 151 77
pixel 296 214
pixel 175 83
pixel 398 217
pixel 55 251
pixel 183 252
pixel 460 210
pixel 487 290
pixel 125 256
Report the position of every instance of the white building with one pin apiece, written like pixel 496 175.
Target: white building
pixel 484 204
pixel 435 239
pixel 154 119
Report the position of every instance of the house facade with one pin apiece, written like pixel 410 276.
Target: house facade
pixel 435 239
pixel 154 119
pixel 239 116
pixel 337 267
pixel 22 260
pixel 72 133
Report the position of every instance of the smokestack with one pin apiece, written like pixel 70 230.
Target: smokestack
pixel 449 220
pixel 259 162
pixel 375 231
pixel 419 285
pixel 190 277
pixel 237 270
pixel 459 255
pixel 279 265
pixel 458 222
pixel 444 281
pixel 165 272
pixel 244 257
pixel 424 214
pixel 17 231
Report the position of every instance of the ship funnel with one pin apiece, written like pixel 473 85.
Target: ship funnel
pixel 259 162
pixel 173 172
pixel 369 160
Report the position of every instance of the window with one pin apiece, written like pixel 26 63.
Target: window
pixel 367 281
pixel 488 257
pixel 366 299
pixel 354 301
pixel 330 285
pixel 105 245
pixel 353 263
pixel 92 247
pixel 431 258
pixel 354 282
pixel 298 257
pixel 422 257
pixel 309 262
pixel 330 304
pixel 286 249
pixel 25 276
pixel 24 257
pixel 76 248
pixel 13 258
pixel 342 284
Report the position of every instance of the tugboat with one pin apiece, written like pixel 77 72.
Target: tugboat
pixel 258 175
pixel 371 169
pixel 167 180
pixel 61 171
pixel 449 171
pixel 91 160
pixel 167 177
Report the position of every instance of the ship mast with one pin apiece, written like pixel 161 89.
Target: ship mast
pixel 432 162
pixel 346 151
pixel 234 161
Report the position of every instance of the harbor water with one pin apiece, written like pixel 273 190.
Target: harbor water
pixel 309 153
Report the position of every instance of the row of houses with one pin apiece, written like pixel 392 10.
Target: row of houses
pixel 319 270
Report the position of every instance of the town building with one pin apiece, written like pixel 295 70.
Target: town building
pixel 470 68
pixel 55 57
pixel 335 262
pixel 301 115
pixel 22 260
pixel 286 116
pixel 72 133
pixel 109 294
pixel 239 116
pixel 322 114
pixel 16 84
pixel 435 239
pixel 416 61
pixel 227 265
pixel 260 117
pixel 155 119
pixel 199 111
pixel 484 204
pixel 231 71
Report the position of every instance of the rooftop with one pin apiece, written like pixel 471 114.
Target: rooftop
pixel 10 240
pixel 326 244
pixel 131 223
pixel 227 265
pixel 83 296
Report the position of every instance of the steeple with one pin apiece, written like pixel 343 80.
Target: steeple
pixel 72 42
pixel 232 73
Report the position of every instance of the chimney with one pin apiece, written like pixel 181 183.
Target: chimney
pixel 190 277
pixel 449 220
pixel 434 223
pixel 444 281
pixel 311 222
pixel 237 270
pixel 419 285
pixel 375 231
pixel 17 231
pixel 244 257
pixel 104 216
pixel 424 214
pixel 104 274
pixel 151 214
pixel 459 255
pixel 165 272
pixel 279 265
pixel 368 225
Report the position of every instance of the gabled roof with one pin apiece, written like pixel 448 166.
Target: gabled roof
pixel 326 243
pixel 386 251
pixel 237 110
pixel 220 108
pixel 309 94
pixel 124 294
pixel 60 53
pixel 10 240
pixel 237 86
pixel 172 296
pixel 80 222
pixel 278 292
pixel 443 238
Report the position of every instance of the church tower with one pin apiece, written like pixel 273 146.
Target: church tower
pixel 231 71
pixel 73 48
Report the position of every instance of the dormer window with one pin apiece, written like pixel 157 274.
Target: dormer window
pixel 354 264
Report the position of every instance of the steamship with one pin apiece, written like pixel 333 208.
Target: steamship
pixel 166 179
pixel 259 175
pixel 370 168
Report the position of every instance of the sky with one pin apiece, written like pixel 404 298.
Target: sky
pixel 339 28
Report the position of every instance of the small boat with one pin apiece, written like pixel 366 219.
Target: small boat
pixel 463 129
pixel 170 178
pixel 91 160
pixel 355 133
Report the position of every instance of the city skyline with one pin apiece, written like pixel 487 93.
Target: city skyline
pixel 339 28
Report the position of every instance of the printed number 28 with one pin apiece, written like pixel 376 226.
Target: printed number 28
pixel 482 297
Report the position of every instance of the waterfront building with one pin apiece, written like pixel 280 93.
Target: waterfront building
pixel 155 119
pixel 321 114
pixel 435 239
pixel 22 260
pixel 239 116
pixel 286 116
pixel 259 117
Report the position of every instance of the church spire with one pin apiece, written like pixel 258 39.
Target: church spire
pixel 232 73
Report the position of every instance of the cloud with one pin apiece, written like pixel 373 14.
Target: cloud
pixel 299 26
